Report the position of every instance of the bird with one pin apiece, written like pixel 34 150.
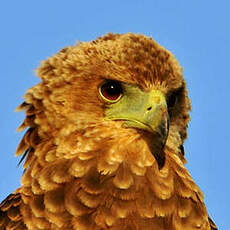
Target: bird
pixel 103 143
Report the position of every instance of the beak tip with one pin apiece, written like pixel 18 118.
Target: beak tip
pixel 160 158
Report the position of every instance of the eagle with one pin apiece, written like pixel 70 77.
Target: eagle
pixel 103 146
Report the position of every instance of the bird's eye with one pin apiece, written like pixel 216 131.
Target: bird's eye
pixel 171 100
pixel 111 91
pixel 173 97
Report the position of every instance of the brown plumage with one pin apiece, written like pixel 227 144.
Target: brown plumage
pixel 87 171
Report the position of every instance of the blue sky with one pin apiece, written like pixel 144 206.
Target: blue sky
pixel 197 32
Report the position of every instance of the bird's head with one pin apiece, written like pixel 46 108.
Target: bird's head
pixel 122 97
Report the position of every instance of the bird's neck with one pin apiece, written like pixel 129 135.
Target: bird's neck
pixel 86 183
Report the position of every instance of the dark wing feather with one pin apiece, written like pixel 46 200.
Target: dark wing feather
pixel 212 224
pixel 10 217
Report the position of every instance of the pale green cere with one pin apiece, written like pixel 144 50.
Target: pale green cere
pixel 138 109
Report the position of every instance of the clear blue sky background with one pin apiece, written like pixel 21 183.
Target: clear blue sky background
pixel 197 32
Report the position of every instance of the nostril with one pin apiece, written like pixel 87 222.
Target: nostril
pixel 149 108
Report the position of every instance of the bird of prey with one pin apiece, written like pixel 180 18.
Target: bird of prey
pixel 103 147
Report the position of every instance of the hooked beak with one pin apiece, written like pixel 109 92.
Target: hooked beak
pixel 146 111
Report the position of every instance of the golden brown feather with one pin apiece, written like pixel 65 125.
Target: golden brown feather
pixel 83 171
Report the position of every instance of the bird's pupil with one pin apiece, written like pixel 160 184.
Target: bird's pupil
pixel 112 90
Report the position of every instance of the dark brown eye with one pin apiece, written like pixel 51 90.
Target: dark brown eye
pixel 173 97
pixel 111 91
pixel 172 100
